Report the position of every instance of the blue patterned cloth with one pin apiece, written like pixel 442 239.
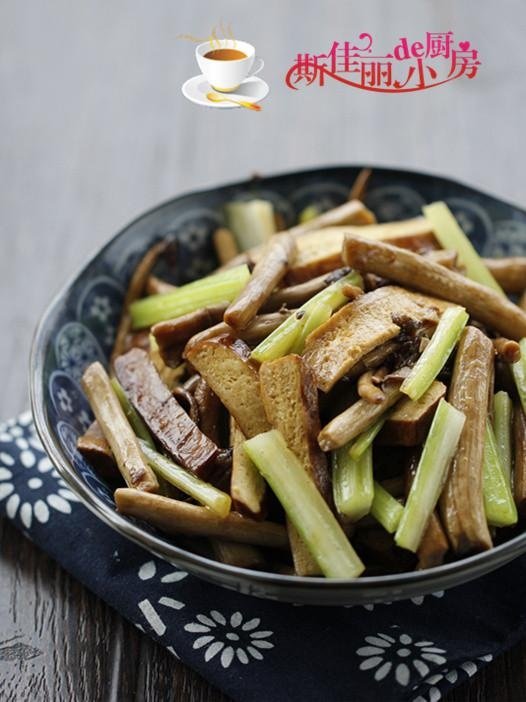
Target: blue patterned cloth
pixel 254 649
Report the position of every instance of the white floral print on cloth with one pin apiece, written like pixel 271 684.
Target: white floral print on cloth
pixel 43 491
pixel 148 571
pixel 399 655
pixel 234 639
pixel 446 678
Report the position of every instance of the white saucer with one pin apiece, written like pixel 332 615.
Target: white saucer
pixel 252 89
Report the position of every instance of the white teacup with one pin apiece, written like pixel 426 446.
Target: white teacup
pixel 226 75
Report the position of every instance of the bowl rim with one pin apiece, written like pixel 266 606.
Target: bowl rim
pixel 366 588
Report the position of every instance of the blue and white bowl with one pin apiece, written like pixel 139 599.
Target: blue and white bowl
pixel 79 326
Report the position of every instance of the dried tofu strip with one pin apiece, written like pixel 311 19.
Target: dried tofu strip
pixel 408 423
pixel 247 487
pixel 175 517
pixel 320 251
pixel 461 503
pixel 291 404
pixel 359 328
pixel 224 362
pixel 165 417
pixel 304 562
pixel 266 275
pixel 407 268
pixel 116 429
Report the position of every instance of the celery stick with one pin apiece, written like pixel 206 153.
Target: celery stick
pixel 436 353
pixel 450 235
pixel 206 494
pixel 308 213
pixel 352 483
pixel 499 504
pixel 281 340
pixel 220 287
pixel 251 222
pixel 304 505
pixel 502 421
pixel 139 427
pixel 519 374
pixel 431 474
pixel 314 318
pixel 366 438
pixel 385 509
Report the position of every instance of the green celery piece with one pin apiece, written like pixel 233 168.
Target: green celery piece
pixel 313 319
pixel 304 505
pixel 212 290
pixel 519 374
pixel 252 222
pixel 352 483
pixel 385 509
pixel 450 235
pixel 499 504
pixel 436 353
pixel 502 423
pixel 366 438
pixel 279 342
pixel 308 213
pixel 136 422
pixel 431 474
pixel 206 494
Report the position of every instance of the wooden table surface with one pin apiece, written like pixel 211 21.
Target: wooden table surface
pixel 93 130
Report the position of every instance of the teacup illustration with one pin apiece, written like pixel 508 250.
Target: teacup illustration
pixel 226 63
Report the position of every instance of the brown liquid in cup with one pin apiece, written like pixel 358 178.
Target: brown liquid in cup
pixel 225 55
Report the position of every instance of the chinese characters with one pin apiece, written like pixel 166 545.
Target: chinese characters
pixel 410 66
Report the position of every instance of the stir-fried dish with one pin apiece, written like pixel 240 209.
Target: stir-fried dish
pixel 339 398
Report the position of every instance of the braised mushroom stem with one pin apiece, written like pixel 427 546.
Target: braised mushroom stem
pixel 462 504
pixel 356 419
pixel 116 429
pixel 267 273
pixel 176 517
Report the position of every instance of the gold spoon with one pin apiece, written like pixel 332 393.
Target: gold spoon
pixel 214 97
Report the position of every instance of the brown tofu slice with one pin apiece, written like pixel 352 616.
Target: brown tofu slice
pixel 409 422
pixel 290 399
pixel 358 328
pixel 291 403
pixel 224 362
pixel 247 485
pixel 320 251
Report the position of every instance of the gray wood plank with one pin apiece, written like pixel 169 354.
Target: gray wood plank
pixel 93 130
